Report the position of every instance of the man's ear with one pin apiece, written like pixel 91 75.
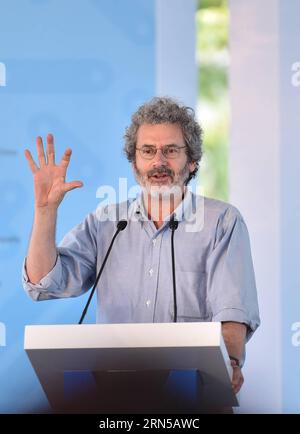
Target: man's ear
pixel 192 166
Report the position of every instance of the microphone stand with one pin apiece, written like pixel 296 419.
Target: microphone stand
pixel 120 227
pixel 173 225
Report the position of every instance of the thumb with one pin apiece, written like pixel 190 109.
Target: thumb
pixel 68 186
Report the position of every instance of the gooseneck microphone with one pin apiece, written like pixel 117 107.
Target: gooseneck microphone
pixel 173 225
pixel 120 227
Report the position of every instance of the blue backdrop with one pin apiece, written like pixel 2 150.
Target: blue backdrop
pixel 76 68
pixel 290 211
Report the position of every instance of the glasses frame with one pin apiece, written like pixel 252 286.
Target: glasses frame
pixel 162 150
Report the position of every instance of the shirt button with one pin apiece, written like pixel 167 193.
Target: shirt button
pixel 151 271
pixel 148 302
pixel 154 241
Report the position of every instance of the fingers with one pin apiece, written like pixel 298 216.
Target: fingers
pixel 32 165
pixel 237 379
pixel 50 155
pixel 66 158
pixel 68 186
pixel 40 151
pixel 50 149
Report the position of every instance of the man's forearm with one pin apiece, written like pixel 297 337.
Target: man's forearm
pixel 234 335
pixel 42 252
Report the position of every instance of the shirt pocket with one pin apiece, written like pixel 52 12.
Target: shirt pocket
pixel 192 296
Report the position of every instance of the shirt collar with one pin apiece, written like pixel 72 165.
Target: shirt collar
pixel 183 211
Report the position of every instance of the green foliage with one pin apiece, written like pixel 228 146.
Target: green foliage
pixel 212 29
pixel 213 172
pixel 212 55
pixel 205 4
pixel 212 83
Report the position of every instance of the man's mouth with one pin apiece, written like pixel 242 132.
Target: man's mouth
pixel 160 177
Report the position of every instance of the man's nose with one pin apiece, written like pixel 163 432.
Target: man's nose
pixel 159 158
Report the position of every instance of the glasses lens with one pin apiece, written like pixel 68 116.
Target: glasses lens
pixel 171 151
pixel 148 152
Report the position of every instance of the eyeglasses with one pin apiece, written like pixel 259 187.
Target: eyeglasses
pixel 169 151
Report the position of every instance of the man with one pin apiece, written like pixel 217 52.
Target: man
pixel 214 273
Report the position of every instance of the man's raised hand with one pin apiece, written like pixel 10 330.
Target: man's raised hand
pixel 49 178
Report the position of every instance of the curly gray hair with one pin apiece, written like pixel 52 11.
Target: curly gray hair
pixel 161 110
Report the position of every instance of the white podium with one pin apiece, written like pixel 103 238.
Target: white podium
pixel 56 349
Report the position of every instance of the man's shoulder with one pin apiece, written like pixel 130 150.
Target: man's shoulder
pixel 218 207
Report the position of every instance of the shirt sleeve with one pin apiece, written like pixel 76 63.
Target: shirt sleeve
pixel 75 267
pixel 231 283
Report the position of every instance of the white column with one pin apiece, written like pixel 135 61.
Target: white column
pixel 255 183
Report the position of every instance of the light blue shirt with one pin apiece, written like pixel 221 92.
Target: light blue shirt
pixel 214 271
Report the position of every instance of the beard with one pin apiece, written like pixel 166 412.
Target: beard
pixel 160 190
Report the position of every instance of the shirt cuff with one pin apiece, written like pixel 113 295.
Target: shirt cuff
pixel 50 283
pixel 237 315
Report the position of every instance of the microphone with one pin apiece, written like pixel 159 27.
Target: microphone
pixel 120 227
pixel 173 225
